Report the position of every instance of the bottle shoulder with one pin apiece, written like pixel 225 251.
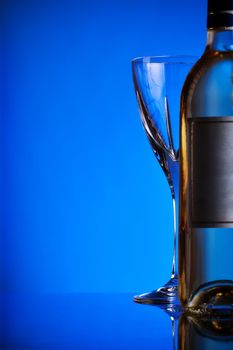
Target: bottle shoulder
pixel 209 63
pixel 208 89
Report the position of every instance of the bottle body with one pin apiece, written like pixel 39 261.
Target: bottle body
pixel 206 180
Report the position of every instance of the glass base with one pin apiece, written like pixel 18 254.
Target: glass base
pixel 168 294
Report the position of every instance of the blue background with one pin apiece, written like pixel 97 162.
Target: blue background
pixel 85 206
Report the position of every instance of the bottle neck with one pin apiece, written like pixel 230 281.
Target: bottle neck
pixel 220 40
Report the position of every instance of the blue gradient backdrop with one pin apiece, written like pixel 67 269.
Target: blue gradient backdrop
pixel 85 205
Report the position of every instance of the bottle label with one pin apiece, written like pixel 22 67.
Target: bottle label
pixel 211 171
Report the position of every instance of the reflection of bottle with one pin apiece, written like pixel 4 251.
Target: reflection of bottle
pixel 206 188
pixel 205 334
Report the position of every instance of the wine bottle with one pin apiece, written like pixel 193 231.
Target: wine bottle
pixel 206 172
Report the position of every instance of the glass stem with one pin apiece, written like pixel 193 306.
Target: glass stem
pixel 174 332
pixel 175 203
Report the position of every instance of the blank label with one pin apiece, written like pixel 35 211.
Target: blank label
pixel 211 171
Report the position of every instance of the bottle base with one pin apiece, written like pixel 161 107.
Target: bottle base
pixel 212 299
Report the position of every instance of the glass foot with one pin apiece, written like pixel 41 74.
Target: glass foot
pixel 168 294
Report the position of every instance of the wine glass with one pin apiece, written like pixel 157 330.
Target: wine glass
pixel 158 83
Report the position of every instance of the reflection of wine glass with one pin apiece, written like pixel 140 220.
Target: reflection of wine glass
pixel 174 311
pixel 158 83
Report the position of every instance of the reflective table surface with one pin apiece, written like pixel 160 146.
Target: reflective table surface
pixel 103 321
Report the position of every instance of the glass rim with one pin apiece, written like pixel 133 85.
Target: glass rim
pixel 166 59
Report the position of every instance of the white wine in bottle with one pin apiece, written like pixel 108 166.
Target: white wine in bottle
pixel 206 172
